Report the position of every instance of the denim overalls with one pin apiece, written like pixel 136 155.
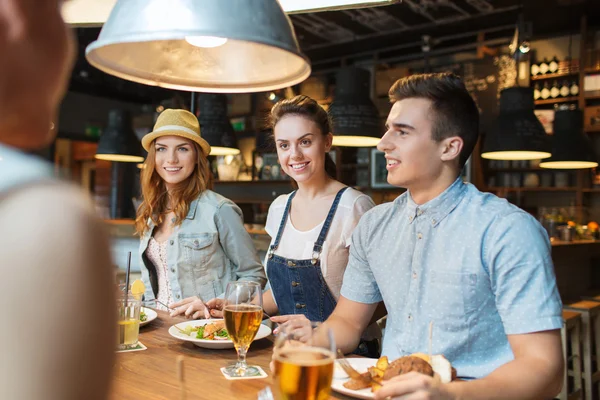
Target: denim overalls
pixel 298 285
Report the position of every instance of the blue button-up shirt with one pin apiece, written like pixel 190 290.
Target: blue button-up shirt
pixel 477 266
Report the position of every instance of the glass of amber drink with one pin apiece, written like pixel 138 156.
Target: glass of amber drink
pixel 243 313
pixel 128 321
pixel 304 361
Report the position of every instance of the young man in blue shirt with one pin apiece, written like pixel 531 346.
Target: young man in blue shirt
pixel 476 266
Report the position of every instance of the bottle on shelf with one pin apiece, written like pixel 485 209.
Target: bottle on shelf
pixel 545 93
pixel 553 66
pixel 535 69
pixel 554 90
pixel 536 91
pixel 574 89
pixel 544 66
pixel 564 89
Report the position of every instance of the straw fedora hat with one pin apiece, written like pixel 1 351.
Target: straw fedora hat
pixel 177 123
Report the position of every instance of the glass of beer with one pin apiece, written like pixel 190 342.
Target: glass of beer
pixel 128 321
pixel 304 361
pixel 242 312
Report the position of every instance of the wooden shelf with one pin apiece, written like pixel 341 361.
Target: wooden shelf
pixel 557 100
pixel 531 189
pixel 592 97
pixel 592 71
pixel 551 76
pixel 591 190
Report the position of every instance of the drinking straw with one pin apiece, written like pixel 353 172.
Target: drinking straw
pixel 127 277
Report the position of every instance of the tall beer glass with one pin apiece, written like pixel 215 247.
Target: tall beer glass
pixel 243 315
pixel 304 363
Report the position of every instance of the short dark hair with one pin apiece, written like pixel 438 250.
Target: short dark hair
pixel 456 112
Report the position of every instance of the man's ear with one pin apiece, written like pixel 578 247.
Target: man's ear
pixel 451 148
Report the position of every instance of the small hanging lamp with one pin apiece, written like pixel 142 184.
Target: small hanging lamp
pixel 517 134
pixel 118 141
pixel 355 118
pixel 215 125
pixel 231 46
pixel 571 147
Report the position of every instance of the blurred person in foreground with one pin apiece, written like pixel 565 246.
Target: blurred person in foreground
pixel 57 338
pixel 475 265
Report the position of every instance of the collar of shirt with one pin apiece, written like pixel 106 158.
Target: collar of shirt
pixel 438 208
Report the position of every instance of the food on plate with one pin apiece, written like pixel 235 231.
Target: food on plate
pixel 143 316
pixel 211 331
pixel 418 362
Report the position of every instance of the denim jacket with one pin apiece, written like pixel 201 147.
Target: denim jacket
pixel 208 250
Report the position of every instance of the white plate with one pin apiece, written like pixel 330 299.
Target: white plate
pixel 263 332
pixel 150 314
pixel 340 377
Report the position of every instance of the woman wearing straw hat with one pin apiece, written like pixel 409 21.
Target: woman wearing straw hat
pixel 193 241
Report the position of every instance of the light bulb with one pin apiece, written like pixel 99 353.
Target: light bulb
pixel 206 41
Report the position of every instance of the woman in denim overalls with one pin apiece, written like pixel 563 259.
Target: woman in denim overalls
pixel 312 226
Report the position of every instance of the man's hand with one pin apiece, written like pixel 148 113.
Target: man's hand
pixel 414 386
pixel 191 307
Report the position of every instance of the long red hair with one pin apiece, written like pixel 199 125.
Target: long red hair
pixel 156 199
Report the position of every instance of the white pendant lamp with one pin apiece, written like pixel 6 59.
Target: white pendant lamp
pixel 220 46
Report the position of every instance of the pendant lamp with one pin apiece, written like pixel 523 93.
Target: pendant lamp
pixel 355 118
pixel 118 142
pixel 215 126
pixel 571 147
pixel 517 133
pixel 226 46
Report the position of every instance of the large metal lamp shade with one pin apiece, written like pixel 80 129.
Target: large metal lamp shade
pixel 571 148
pixel 224 46
pixel 215 125
pixel 517 134
pixel 355 118
pixel 118 141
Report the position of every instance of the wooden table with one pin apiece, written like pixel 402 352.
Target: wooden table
pixel 152 373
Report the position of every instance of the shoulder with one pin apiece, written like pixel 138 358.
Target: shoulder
pixel 213 199
pixel 383 212
pixel 52 217
pixel 355 201
pixel 279 203
pixel 503 220
pixel 493 208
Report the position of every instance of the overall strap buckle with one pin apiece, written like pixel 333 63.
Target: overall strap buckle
pixel 270 252
pixel 316 254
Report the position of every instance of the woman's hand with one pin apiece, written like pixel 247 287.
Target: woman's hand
pixel 191 308
pixel 296 323
pixel 216 307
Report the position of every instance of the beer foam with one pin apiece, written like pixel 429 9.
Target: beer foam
pixel 305 356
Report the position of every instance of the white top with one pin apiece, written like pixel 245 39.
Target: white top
pixel 299 245
pixel 157 254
